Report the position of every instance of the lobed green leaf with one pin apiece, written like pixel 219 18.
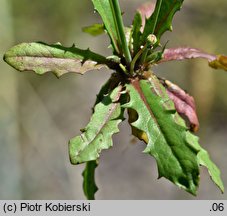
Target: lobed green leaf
pixel 42 58
pixel 161 20
pixel 97 134
pixel 168 137
pixel 175 148
pixel 204 160
pixel 89 185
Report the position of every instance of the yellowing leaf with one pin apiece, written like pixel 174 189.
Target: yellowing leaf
pixel 132 117
pixel 219 63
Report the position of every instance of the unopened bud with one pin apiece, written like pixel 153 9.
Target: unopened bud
pixel 152 39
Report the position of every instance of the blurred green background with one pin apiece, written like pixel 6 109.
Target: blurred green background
pixel 39 114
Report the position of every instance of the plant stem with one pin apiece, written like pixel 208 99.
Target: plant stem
pixel 132 66
pixel 120 29
pixel 143 57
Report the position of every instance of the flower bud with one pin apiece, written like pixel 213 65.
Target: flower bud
pixel 152 39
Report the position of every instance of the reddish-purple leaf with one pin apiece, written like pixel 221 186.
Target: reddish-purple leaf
pixel 184 104
pixel 182 53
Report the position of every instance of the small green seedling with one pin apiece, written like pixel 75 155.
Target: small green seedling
pixel 155 106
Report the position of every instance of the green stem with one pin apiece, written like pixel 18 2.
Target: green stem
pixel 143 57
pixel 123 69
pixel 132 66
pixel 120 29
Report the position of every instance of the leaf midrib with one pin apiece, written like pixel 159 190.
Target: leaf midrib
pixel 136 85
pixel 160 23
pixel 164 136
pixel 113 108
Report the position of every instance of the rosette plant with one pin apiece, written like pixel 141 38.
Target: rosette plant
pixel 159 112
